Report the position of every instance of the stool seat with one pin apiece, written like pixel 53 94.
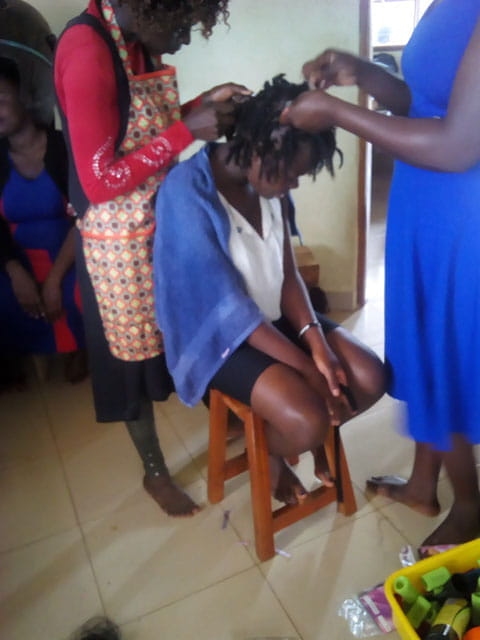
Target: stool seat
pixel 268 521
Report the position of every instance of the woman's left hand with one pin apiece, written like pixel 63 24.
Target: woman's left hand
pixel 311 111
pixel 52 299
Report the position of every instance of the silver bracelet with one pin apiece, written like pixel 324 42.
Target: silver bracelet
pixel 313 323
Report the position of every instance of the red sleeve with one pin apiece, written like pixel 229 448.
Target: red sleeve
pixel 87 93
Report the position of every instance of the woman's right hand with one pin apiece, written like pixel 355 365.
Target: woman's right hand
pixel 332 67
pixel 338 407
pixel 25 289
pixel 210 120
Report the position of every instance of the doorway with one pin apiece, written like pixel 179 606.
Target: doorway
pixel 385 28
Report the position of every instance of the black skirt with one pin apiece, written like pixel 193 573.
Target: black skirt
pixel 238 374
pixel 119 387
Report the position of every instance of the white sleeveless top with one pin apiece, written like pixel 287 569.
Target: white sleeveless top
pixel 259 260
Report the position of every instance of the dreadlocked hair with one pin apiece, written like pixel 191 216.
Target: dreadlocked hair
pixel 257 131
pixel 204 12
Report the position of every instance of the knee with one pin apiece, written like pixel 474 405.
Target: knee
pixel 370 383
pixel 306 429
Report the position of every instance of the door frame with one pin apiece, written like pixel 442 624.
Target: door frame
pixel 364 166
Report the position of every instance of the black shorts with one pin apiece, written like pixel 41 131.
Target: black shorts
pixel 237 376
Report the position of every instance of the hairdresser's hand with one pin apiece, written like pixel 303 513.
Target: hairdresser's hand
pixel 332 67
pixel 225 92
pixel 312 111
pixel 52 298
pixel 210 121
pixel 25 289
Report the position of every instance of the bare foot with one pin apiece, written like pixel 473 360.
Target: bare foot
pixel 322 472
pixel 461 525
pixel 173 500
pixel 398 489
pixel 286 486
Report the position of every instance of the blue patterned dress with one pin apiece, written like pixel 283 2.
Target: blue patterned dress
pixel 433 253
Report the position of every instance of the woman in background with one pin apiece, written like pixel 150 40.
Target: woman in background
pixel 40 307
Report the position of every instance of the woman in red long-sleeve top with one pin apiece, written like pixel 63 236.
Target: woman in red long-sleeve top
pixel 124 128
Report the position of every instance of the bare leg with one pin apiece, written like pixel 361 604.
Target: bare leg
pixel 366 382
pixel 157 481
pixel 463 521
pixel 286 487
pixel 419 492
pixel 366 379
pixel 321 469
pixel 297 421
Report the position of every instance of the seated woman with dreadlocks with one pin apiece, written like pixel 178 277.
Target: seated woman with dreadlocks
pixel 237 317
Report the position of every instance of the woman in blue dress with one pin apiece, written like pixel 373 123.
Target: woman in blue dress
pixel 40 304
pixel 433 241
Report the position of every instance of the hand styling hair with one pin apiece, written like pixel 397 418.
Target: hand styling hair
pixel 257 130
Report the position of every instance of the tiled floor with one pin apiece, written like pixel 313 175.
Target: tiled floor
pixel 79 536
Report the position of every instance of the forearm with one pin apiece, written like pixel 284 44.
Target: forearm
pixel 430 143
pixel 297 308
pixel 296 305
pixel 65 258
pixel 104 175
pixel 13 267
pixel 268 339
pixel 388 90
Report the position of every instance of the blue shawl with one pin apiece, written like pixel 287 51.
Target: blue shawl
pixel 201 303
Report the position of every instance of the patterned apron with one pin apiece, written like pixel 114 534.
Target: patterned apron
pixel 118 234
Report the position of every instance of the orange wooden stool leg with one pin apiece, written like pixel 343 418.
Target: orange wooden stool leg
pixel 217 447
pixel 348 505
pixel 338 467
pixel 260 486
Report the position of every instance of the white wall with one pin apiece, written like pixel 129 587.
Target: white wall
pixel 267 37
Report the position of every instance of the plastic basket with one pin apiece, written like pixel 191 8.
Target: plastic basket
pixel 457 560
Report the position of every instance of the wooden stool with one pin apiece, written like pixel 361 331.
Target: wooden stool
pixel 267 521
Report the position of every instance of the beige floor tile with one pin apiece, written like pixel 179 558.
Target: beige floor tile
pixel 47 589
pixel 415 526
pixel 71 413
pixel 144 560
pixel 366 323
pixel 374 445
pixel 26 434
pixel 105 474
pixel 237 502
pixel 321 574
pixel 239 608
pixel 34 502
